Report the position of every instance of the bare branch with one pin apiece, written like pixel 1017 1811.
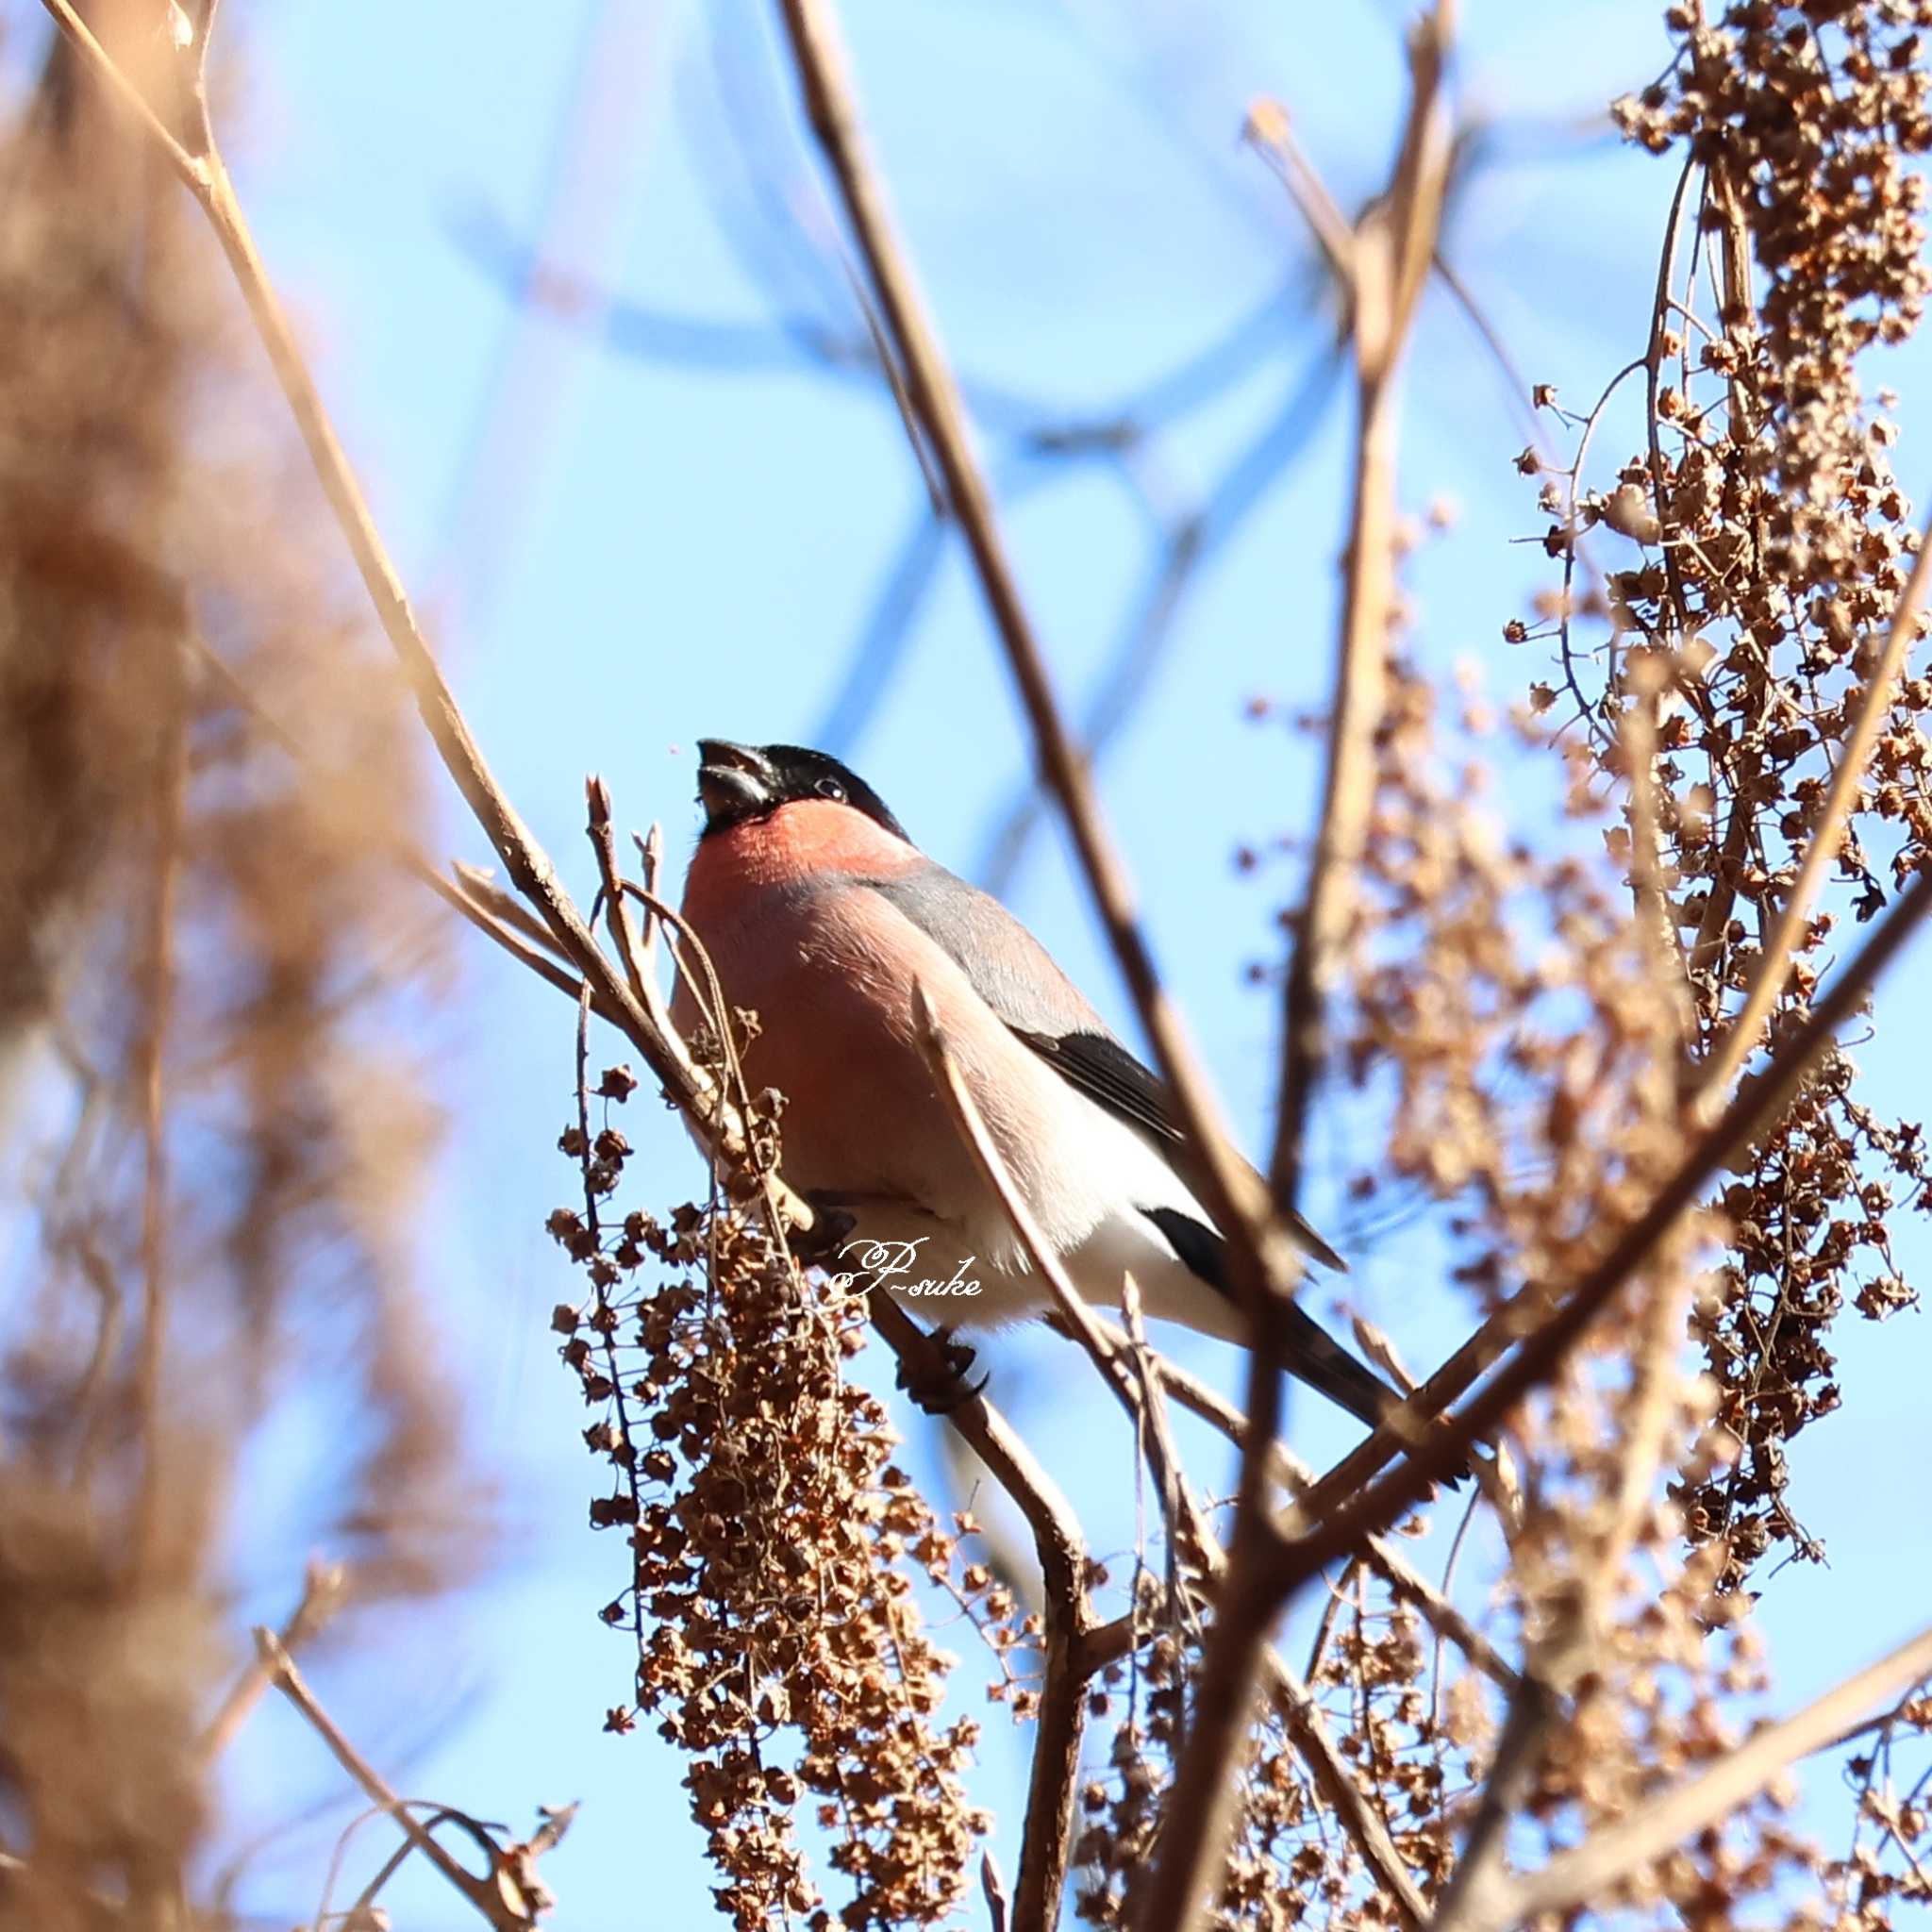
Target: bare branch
pixel 1382 1554
pixel 171 781
pixel 1269 129
pixel 1043 1862
pixel 1068 1620
pixel 484 1894
pixel 1111 1358
pixel 617 919
pixel 1622 1849
pixel 324 1589
pixel 993 1885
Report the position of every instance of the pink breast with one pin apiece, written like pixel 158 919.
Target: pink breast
pixel 829 971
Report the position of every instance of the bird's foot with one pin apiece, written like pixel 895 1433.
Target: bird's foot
pixel 938 1385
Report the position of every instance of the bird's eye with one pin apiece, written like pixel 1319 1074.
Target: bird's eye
pixel 830 787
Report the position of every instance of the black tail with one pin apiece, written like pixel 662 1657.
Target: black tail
pixel 1307 1352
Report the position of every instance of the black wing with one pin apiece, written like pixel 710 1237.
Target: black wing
pixel 1107 1074
pixel 1019 980
pixel 1106 1071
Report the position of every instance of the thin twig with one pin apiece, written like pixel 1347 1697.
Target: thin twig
pixel 993 1887
pixel 617 919
pixel 1270 131
pixel 1365 1825
pixel 1069 1621
pixel 324 1589
pixel 1044 1851
pixel 477 883
pixel 650 860
pixel 1154 1433
pixel 1383 1556
pixel 1110 1358
pixel 482 1893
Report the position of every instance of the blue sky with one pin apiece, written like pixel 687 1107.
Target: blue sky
pixel 618 553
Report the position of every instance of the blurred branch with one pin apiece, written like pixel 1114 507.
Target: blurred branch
pixel 1270 131
pixel 475 898
pixel 1188 544
pixel 206 178
pixel 594 145
pixel 1388 264
pixel 1565 1648
pixel 1618 1851
pixel 170 785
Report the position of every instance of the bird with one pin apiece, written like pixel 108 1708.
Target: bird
pixel 821 915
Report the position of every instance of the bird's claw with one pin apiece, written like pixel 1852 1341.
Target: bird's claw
pixel 940 1387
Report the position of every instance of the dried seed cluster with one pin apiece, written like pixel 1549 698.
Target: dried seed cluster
pixel 1776 544
pixel 1524 1027
pixel 1510 1008
pixel 1118 1828
pixel 773 1548
pixel 1293 1862
pixel 1890 1856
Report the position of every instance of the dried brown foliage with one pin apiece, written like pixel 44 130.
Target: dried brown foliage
pixel 215 1120
pixel 1777 543
pixel 773 1546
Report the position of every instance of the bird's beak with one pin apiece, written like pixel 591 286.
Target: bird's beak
pixel 734 781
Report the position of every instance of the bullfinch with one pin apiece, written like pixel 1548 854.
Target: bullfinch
pixel 819 913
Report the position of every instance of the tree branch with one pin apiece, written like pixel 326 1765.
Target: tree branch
pixel 1774 966
pixel 485 1895
pixel 1068 1620
pixel 1357 1511
pixel 1616 1851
